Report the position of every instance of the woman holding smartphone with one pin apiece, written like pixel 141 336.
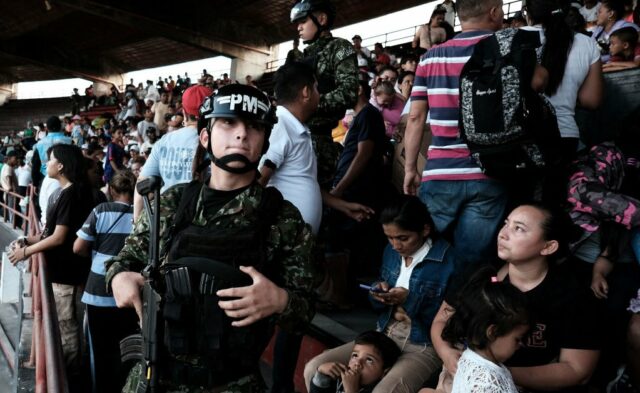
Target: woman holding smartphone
pixel 416 268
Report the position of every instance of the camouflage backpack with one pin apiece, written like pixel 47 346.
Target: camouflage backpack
pixel 510 129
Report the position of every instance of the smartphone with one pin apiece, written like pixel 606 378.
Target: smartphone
pixel 372 289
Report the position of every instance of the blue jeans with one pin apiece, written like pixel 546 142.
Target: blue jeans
pixel 468 213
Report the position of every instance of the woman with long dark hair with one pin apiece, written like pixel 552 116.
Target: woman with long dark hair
pixel 575 76
pixel 560 352
pixel 68 207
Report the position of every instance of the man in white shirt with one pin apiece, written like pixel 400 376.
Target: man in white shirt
pixel 290 163
pixel 9 180
pixel 364 54
pixel 144 125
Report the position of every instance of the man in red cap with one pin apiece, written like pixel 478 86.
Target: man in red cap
pixel 172 155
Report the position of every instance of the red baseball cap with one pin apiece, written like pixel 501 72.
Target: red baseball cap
pixel 193 97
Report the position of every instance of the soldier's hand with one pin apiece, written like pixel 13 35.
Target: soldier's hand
pixel 255 302
pixel 126 290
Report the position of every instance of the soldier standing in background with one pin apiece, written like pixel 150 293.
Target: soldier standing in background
pixel 335 63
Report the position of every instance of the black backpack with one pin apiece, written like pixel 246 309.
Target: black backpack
pixel 510 129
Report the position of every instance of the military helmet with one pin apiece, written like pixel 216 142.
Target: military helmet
pixel 304 8
pixel 241 101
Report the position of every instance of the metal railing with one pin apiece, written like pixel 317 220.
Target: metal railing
pixel 47 355
pixel 46 347
pixel 405 35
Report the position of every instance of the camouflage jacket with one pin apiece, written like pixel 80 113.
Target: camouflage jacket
pixel 336 65
pixel 288 245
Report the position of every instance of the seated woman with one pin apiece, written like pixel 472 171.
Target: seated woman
pixel 561 350
pixel 416 268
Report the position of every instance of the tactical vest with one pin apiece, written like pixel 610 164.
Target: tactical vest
pixel 200 261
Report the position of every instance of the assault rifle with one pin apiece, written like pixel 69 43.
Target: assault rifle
pixel 145 348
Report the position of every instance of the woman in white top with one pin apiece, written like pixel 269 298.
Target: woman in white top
pixel 575 76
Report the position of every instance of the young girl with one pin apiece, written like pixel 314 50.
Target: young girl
pixel 66 211
pixel 491 319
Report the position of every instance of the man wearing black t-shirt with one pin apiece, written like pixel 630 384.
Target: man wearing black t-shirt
pixel 359 170
pixel 359 178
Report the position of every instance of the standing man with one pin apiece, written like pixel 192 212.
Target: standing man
pixel 160 109
pixel 465 204
pixel 172 155
pixel 9 180
pixel 335 64
pixel 294 54
pixel 364 54
pixel 240 224
pixel 290 165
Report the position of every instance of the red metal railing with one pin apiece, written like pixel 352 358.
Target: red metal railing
pixel 46 348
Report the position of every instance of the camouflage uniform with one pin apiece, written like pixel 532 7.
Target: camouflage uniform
pixel 336 66
pixel 289 245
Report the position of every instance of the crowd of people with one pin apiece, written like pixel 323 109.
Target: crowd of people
pixel 481 281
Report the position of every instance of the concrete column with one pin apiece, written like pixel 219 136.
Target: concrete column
pixel 252 63
pixel 7 92
pixel 103 86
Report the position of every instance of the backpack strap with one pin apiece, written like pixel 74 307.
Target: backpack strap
pixel 523 50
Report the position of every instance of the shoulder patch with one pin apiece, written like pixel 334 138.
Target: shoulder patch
pixel 342 49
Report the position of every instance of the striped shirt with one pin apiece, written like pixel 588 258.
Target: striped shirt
pixel 438 81
pixel 107 227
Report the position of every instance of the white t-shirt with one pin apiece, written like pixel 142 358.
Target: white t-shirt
pixel 132 108
pixel 172 156
pixel 7 178
pixel 143 126
pixel 291 151
pixel 479 375
pixel 24 175
pixel 48 187
pixel 152 94
pixel 450 16
pixel 584 52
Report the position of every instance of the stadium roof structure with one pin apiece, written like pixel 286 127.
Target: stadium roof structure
pixel 55 39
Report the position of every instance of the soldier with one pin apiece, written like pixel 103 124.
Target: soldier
pixel 213 337
pixel 335 63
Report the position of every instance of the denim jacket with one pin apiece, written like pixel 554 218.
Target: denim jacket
pixel 427 287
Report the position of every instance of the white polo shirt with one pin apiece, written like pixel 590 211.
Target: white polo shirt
pixel 295 176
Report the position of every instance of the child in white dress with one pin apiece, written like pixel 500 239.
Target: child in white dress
pixel 489 321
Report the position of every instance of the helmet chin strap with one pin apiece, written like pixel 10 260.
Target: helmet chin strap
pixel 224 160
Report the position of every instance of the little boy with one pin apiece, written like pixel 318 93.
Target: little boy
pixel 624 50
pixel 372 356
